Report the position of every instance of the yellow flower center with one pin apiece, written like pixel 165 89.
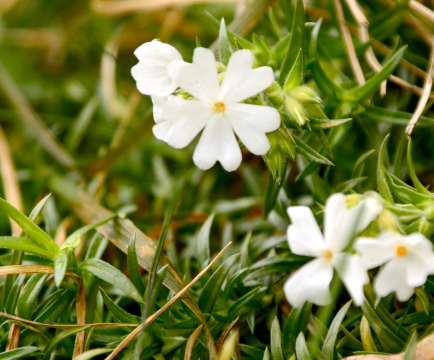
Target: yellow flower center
pixel 219 107
pixel 401 250
pixel 328 255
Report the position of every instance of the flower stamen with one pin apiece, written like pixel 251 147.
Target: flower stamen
pixel 401 250
pixel 328 255
pixel 219 107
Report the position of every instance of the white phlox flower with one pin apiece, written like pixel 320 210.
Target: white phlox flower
pixel 152 71
pixel 409 260
pixel 218 110
pixel 312 281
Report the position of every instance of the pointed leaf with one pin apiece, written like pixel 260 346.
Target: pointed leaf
pixel 31 229
pixel 276 341
pixel 29 295
pixel 309 153
pixel 301 348
pixel 203 252
pixel 208 296
pixel 25 244
pixel 372 85
pixel 382 184
pixel 120 314
pixel 113 276
pixel 224 45
pixel 133 266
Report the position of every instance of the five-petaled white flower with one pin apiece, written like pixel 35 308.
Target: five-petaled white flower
pixel 218 110
pixel 312 281
pixel 152 71
pixel 409 260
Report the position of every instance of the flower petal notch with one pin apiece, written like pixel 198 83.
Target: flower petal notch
pixel 152 72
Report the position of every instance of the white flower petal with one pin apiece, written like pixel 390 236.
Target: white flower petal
pixel 151 73
pixel 300 245
pixel 392 279
pixel 161 129
pixel 217 143
pixel 336 229
pixel 251 122
pixel 372 207
pixel 417 270
pixel 375 252
pixel 200 78
pixel 307 240
pixel 188 118
pixel 353 274
pixel 310 283
pixel 240 81
pixel 157 51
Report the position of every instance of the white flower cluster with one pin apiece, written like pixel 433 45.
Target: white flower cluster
pixel 408 259
pixel 216 108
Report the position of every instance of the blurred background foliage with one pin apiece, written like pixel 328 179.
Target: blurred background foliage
pixel 71 119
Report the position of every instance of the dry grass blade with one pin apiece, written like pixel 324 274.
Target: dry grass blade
pixel 119 232
pixel 32 120
pixel 191 342
pixel 349 46
pixel 117 8
pixel 225 333
pixel 22 321
pixel 81 320
pixel 13 337
pixel 422 10
pixel 155 315
pixel 10 181
pixel 425 96
pixel 30 269
pixel 357 13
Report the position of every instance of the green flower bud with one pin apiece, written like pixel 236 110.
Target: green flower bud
pixel 281 150
pixel 305 94
pixel 296 110
pixel 388 221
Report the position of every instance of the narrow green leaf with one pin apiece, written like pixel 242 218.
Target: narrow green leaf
pixel 120 314
pixel 241 304
pixel 381 329
pixel 208 296
pixel 297 44
pixel 30 294
pixel 423 297
pixel 93 353
pixel 382 184
pixel 224 45
pixel 60 264
pixel 276 341
pixel 58 338
pixel 410 351
pixel 371 86
pixel 24 351
pixel 296 323
pixel 159 279
pixel 266 354
pixel 360 163
pixel 295 75
pixel 401 118
pixel 31 229
pixel 113 276
pixel 327 123
pixel 233 38
pixel 133 266
pixel 405 192
pixel 310 153
pixel 25 244
pixel 73 240
pixel 417 184
pixel 203 251
pixel 301 348
pixel 328 348
pixel 14 293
